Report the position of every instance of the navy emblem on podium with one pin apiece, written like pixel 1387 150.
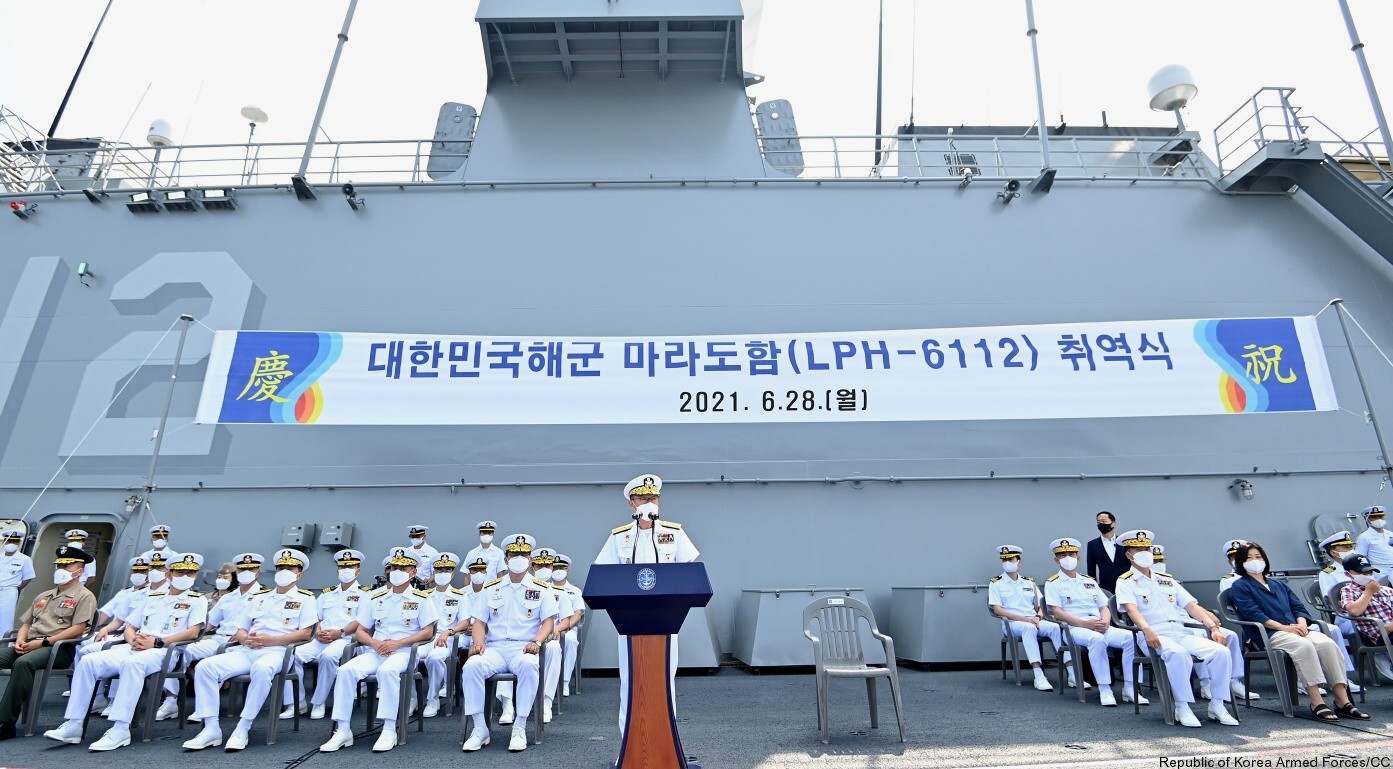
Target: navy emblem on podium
pixel 647 579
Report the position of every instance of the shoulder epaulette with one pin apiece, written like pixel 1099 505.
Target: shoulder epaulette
pixel 1126 575
pixel 1166 574
pixel 162 592
pixel 304 591
pixel 495 582
pixel 670 524
pixel 997 578
pixel 380 593
pixel 195 594
pixel 457 590
pixel 1052 578
pixel 1330 570
pixel 621 529
pixel 327 590
pixel 1028 579
pixel 540 583
pixel 263 590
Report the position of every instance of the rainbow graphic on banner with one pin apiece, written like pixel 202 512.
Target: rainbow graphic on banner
pixel 1262 368
pixel 274 377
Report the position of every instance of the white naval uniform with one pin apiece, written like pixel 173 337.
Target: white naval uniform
pixel 1082 597
pixel 571 638
pixel 268 612
pixel 1019 595
pixel 425 557
pixel 14 569
pixel 492 555
pixel 116 609
pixel 161 615
pixel 387 616
pixel 450 604
pixel 632 544
pixel 551 675
pixel 1226 581
pixel 1161 599
pixel 226 616
pixel 513 613
pixel 1377 546
pixel 337 608
pixel 1330 577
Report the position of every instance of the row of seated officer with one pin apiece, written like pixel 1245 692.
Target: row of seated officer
pixel 258 627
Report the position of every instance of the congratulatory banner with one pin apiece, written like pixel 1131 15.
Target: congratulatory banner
pixel 1120 369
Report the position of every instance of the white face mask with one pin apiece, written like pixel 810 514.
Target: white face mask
pixel 399 578
pixel 1144 560
pixel 1068 563
pixel 1362 579
pixel 285 578
pixel 347 575
pixel 138 579
pixel 543 574
pixel 1254 567
pixel 648 510
pixel 558 575
pixel 223 583
pixel 157 576
pixel 182 583
pixel 485 538
pixel 517 564
pixel 246 577
pixel 1378 523
pixel 61 576
pixel 11 548
pixel 477 577
pixel 1010 567
pixel 443 579
pixel 418 541
pixel 159 543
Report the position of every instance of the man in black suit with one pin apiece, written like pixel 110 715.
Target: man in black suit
pixel 1106 559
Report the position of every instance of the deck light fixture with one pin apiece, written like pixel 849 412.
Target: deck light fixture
pixel 220 199
pixel 143 203
pixel 84 270
pixel 1242 489
pixel 181 200
pixel 23 208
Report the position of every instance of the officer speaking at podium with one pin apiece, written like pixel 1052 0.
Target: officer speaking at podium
pixel 645 540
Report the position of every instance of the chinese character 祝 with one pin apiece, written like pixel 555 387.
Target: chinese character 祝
pixel 267 375
pixel 1263 362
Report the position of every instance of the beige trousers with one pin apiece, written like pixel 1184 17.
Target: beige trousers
pixel 1317 658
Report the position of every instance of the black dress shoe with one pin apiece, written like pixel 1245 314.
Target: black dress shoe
pixel 7 730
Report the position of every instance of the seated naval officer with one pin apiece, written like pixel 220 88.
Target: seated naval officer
pixel 390 622
pixel 488 551
pixel 1336 547
pixel 159 543
pixel 1371 604
pixel 423 553
pixel 504 690
pixel 1016 600
pixel 273 620
pixel 225 616
pixel 1259 597
pixel 543 559
pixel 512 619
pixel 157 576
pixel 1079 601
pixel 169 615
pixel 480 572
pixel 109 615
pixel 62 612
pixel 78 538
pixel 449 603
pixel 16 571
pixel 645 540
pixel 568 626
pixel 1375 542
pixel 1230 549
pixel 1159 605
pixel 338 613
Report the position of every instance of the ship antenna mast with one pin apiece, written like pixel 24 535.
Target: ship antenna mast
pixel 1033 33
pixel 1358 47
pixel 879 79
pixel 324 97
pixel 63 105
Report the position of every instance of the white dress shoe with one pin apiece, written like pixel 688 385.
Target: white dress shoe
pixel 1217 712
pixel 506 717
pixel 1185 716
pixel 339 739
pixel 115 737
pixel 289 711
pixel 70 733
pixel 1204 691
pixel 546 710
pixel 68 693
pixel 1043 684
pixel 432 708
pixel 1129 694
pixel 194 719
pixel 476 740
pixel 1105 696
pixel 519 741
pixel 318 712
pixel 237 740
pixel 1354 688
pixel 167 711
pixel 1236 687
pixel 566 689
pixel 385 741
pixel 210 737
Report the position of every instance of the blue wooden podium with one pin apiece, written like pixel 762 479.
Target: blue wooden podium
pixel 648 603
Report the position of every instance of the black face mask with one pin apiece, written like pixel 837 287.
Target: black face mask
pixel 1106 527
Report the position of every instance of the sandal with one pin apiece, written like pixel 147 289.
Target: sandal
pixel 1322 712
pixel 1350 711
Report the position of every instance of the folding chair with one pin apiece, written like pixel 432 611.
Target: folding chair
pixel 1280 663
pixel 1017 651
pixel 275 699
pixel 1362 651
pixel 1144 660
pixel 31 715
pixel 491 687
pixel 415 677
pixel 452 674
pixel 837 653
pixel 1077 652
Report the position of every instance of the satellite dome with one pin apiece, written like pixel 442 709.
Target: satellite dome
pixel 159 133
pixel 1171 88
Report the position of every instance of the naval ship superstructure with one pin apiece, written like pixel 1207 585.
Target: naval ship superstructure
pixel 620 181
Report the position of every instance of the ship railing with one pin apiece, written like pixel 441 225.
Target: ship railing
pixel 1269 116
pixel 988 156
pixel 1366 159
pixel 109 165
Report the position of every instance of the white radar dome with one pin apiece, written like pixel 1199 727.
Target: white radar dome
pixel 159 133
pixel 254 113
pixel 1171 88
